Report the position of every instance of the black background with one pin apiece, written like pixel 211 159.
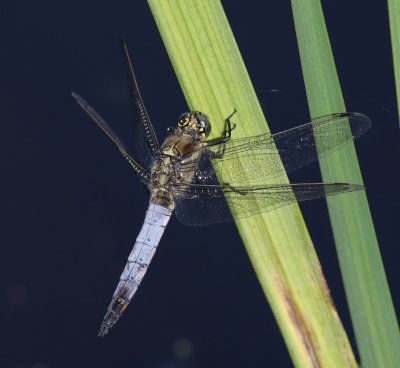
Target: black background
pixel 71 207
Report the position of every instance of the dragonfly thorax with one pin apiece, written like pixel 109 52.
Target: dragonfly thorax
pixel 166 174
pixel 195 123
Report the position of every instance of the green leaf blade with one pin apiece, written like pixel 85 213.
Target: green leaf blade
pixel 214 80
pixel 394 21
pixel 367 291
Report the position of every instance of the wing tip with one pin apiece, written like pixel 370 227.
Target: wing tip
pixel 122 41
pixel 75 96
pixel 347 187
pixel 78 98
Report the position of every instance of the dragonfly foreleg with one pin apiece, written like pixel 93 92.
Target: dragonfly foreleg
pixel 226 136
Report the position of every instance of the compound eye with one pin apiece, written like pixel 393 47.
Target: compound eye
pixel 201 119
pixel 205 126
pixel 184 116
pixel 183 120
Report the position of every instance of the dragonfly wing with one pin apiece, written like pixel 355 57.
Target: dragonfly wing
pixel 261 157
pixel 199 205
pixel 146 143
pixel 307 143
pixel 143 174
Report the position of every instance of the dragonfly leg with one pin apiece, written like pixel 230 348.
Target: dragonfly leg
pixel 226 136
pixel 231 125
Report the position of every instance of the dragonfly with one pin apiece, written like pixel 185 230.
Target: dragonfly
pixel 207 181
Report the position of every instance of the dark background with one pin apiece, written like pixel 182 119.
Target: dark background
pixel 71 207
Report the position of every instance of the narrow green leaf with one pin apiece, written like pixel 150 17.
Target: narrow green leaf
pixel 214 80
pixel 368 294
pixel 394 20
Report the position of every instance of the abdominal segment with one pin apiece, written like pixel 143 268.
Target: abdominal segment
pixel 146 244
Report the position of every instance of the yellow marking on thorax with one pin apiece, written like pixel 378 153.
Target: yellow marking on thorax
pixel 166 160
pixel 163 179
pixel 170 151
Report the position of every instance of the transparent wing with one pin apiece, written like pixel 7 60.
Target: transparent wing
pixel 143 174
pixel 261 156
pixel 146 143
pixel 199 205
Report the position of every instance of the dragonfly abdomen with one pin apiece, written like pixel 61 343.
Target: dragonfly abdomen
pixel 156 219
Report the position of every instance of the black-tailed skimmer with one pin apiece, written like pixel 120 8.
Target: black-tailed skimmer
pixel 209 181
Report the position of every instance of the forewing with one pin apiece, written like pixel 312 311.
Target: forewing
pixel 146 143
pixel 143 174
pixel 199 205
pixel 261 156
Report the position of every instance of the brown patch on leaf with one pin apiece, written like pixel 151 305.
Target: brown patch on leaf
pixel 299 323
pixel 345 346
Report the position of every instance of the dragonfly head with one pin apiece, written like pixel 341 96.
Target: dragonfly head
pixel 195 123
